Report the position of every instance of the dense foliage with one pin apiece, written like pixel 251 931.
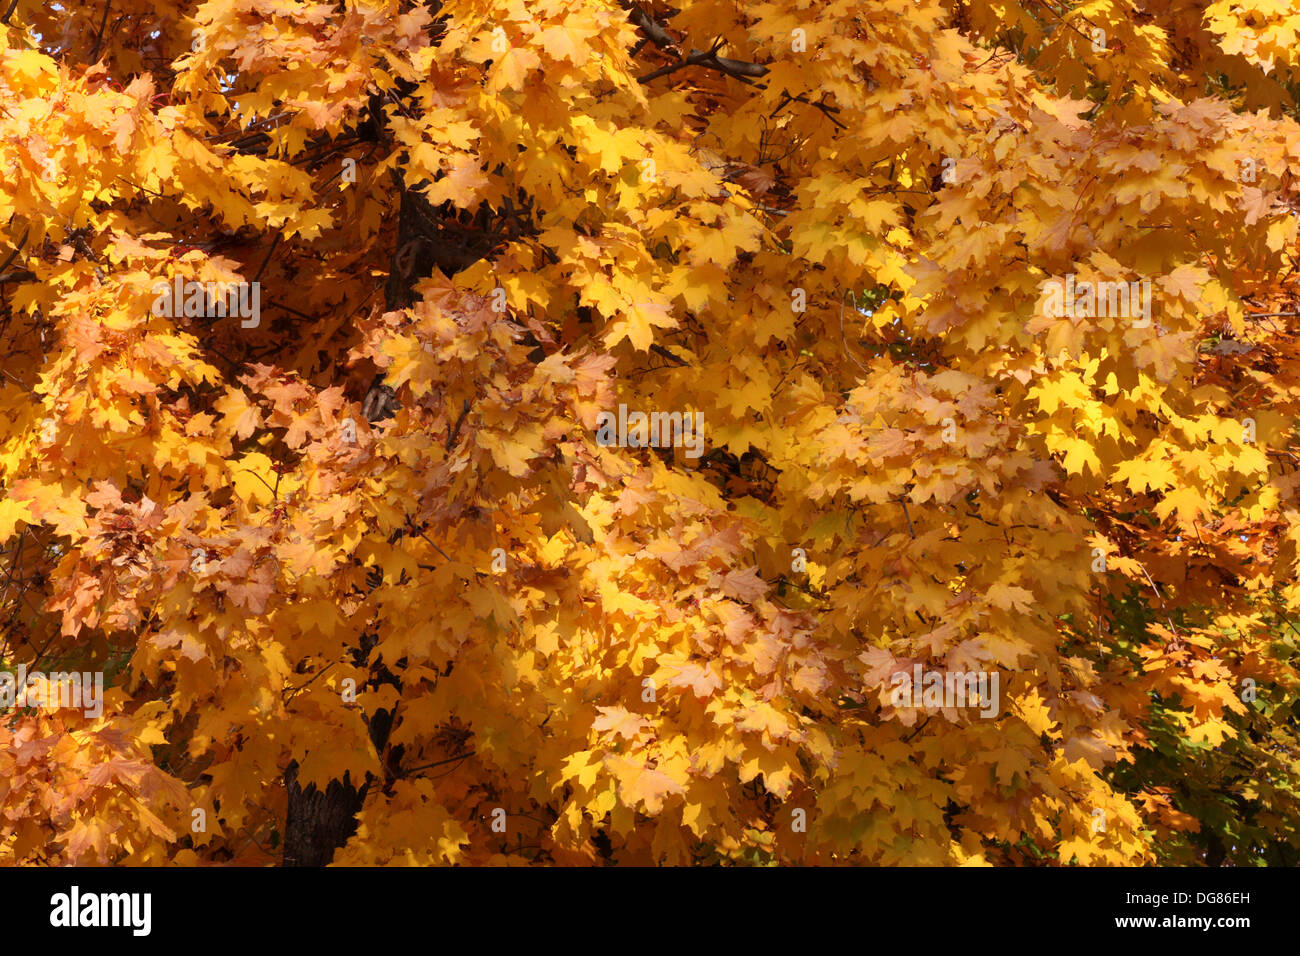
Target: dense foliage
pixel 987 310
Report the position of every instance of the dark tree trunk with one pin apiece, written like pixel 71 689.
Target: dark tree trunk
pixel 318 823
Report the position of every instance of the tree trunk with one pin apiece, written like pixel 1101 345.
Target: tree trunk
pixel 316 823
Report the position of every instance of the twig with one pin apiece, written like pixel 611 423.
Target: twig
pixel 1160 597
pixel 99 37
pixel 142 188
pixel 843 340
pixel 909 737
pixel 301 687
pixel 660 350
pixel 434 546
pixel 825 108
pixel 17 249
pixel 269 252
pixel 438 763
pixel 280 305
pixel 1197 529
pixel 451 439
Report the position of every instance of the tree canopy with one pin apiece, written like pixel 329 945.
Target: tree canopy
pixel 554 431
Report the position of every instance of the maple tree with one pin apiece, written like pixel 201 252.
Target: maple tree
pixel 366 588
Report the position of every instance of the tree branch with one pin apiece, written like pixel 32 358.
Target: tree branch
pixel 438 763
pixel 99 37
pixel 675 359
pixel 451 439
pixel 653 29
pixel 709 59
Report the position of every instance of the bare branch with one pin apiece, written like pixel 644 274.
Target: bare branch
pixel 654 30
pixel 709 59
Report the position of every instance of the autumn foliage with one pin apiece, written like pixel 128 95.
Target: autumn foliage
pixel 365 587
